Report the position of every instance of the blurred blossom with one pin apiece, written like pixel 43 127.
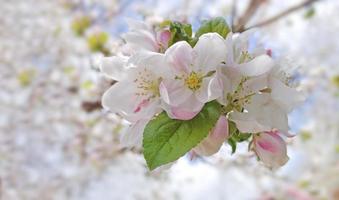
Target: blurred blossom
pixel 56 142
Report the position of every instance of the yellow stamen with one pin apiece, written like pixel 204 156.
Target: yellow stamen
pixel 194 81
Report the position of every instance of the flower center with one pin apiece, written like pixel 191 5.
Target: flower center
pixel 193 81
pixel 147 84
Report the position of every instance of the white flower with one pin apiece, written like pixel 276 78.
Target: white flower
pixel 136 96
pixel 268 110
pixel 143 37
pixel 241 65
pixel 194 82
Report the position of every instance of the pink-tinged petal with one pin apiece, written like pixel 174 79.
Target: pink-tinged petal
pixel 185 111
pixel 258 66
pixel 114 67
pixel 179 56
pixel 142 39
pixel 179 113
pixel 210 52
pixel 215 139
pixel 271 149
pixel 173 92
pixel 121 98
pixel 164 38
pixel 211 88
pixel 133 135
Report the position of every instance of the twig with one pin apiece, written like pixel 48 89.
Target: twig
pixel 282 14
pixel 250 11
pixel 233 13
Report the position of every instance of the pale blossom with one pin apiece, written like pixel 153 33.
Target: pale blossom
pixel 136 96
pixel 194 81
pixel 143 37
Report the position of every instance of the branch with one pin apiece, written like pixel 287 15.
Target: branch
pixel 250 11
pixel 282 14
pixel 233 12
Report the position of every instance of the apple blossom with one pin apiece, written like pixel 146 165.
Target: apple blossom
pixel 194 83
pixel 143 37
pixel 199 92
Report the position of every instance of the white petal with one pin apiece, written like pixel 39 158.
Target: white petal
pixel 136 25
pixel 211 88
pixel 141 39
pixel 134 134
pixel 179 56
pixel 152 61
pixel 287 98
pixel 120 97
pixel 247 123
pixel 258 66
pixel 210 52
pixel 114 67
pixel 173 92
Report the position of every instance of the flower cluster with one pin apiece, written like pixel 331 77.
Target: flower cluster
pixel 186 92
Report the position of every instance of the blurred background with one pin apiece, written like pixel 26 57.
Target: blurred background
pixel 56 142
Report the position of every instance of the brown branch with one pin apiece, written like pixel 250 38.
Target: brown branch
pixel 250 11
pixel 233 12
pixel 282 14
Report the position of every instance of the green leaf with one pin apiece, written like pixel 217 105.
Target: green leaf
pixel 217 25
pixel 233 144
pixel 309 13
pixel 180 32
pixel 236 136
pixel 166 140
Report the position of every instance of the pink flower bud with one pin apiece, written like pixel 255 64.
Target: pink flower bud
pixel 271 149
pixel 215 139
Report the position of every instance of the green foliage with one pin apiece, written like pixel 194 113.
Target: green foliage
pixel 79 25
pixel 183 32
pixel 217 25
pixel 236 136
pixel 96 42
pixel 309 13
pixel 166 140
pixel 180 32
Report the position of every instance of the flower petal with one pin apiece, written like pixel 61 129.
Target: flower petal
pixel 258 66
pixel 179 56
pixel 114 67
pixel 211 88
pixel 215 139
pixel 133 135
pixel 185 111
pixel 210 52
pixel 286 97
pixel 141 39
pixel 174 92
